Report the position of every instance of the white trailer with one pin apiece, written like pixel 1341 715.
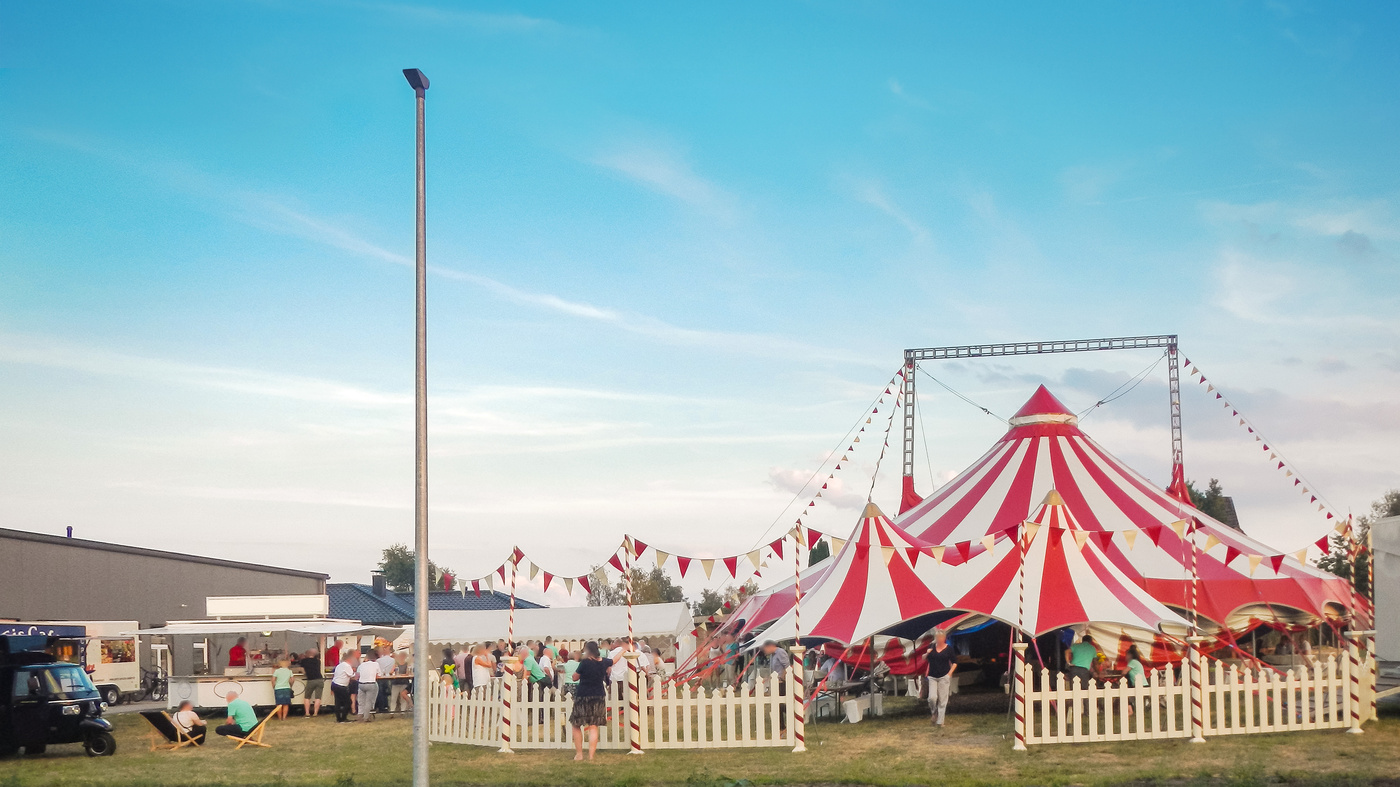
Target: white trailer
pixel 109 652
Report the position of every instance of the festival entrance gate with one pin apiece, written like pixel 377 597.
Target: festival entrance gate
pixel 1330 694
pixel 659 713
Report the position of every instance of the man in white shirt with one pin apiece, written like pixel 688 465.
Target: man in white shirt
pixel 386 668
pixel 340 685
pixel 618 673
pixel 368 676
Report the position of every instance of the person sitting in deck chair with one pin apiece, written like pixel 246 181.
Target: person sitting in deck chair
pixel 188 723
pixel 241 718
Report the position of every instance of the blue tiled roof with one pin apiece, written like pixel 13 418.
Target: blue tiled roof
pixel 354 601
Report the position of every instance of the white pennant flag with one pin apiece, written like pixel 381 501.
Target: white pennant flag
pixel 534 570
pixel 490 584
pixel 569 585
pixel 753 558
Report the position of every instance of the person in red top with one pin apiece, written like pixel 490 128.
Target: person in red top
pixel 238 654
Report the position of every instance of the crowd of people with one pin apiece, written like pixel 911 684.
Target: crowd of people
pixel 541 663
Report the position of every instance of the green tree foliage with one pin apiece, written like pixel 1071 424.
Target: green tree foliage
pixel 1354 569
pixel 648 587
pixel 1211 502
pixel 820 552
pixel 712 601
pixel 396 564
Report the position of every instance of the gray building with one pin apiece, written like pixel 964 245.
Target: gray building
pixel 1385 539
pixel 45 577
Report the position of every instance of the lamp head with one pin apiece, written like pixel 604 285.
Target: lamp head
pixel 417 79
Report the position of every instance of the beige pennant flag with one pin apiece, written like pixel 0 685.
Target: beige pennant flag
pixel 1258 439
pixel 1341 526
pixel 1254 561
pixel 867 420
pixel 753 558
pixel 1301 556
pixel 569 585
pixel 887 553
pixel 602 575
pixel 1321 507
pixel 857 440
pixel 1287 473
pixel 661 557
pixel 1211 541
pixel 490 583
pixel 837 544
pixel 1194 370
pixel 709 565
pixel 1241 422
pixel 1272 456
pixel 1130 537
pixel 1305 490
pixel 534 570
pixel 1210 387
pixel 937 553
pixel 845 458
pixel 819 494
pixel 1031 529
pixel 1180 527
pixel 1080 536
pixel 989 541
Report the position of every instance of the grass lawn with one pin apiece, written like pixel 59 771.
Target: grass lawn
pixel 902 748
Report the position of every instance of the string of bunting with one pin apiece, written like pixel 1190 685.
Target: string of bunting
pixel 1341 524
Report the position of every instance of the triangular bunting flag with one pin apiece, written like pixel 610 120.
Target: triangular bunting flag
pixel 1103 538
pixel 569 585
pixel 615 561
pixel 937 553
pixel 1276 561
pixel 1230 554
pixel 964 548
pixel 1301 556
pixel 1323 545
pixel 887 553
pixel 838 544
pixel 1179 526
pixel 638 548
pixel 490 585
pixel 502 571
pixel 812 538
pixel 583 583
pixel 1154 532
pixel 683 563
pixel 708 564
pixel 1031 529
pixel 732 563
pixel 1129 537
pixel 912 553
pixel 476 588
pixel 547 578
pixel 662 557
pixel 534 570
pixel 1254 561
pixel 1211 541
pixel 988 541
pixel 777 547
pixel 1080 536
pixel 753 558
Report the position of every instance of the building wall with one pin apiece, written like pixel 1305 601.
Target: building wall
pixel 70 579
pixel 1385 538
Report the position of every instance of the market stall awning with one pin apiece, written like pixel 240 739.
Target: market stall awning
pixel 319 626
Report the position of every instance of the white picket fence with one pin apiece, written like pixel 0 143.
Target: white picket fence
pixel 672 715
pixel 1328 694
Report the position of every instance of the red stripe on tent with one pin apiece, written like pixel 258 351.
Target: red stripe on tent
pixel 1061 608
pixel 1000 454
pixel 1017 503
pixel 844 611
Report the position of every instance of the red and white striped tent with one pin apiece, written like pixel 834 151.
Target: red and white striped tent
pixel 1067 580
pixel 1045 449
pixel 870 586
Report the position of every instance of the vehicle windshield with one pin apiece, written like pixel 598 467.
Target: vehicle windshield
pixel 59 682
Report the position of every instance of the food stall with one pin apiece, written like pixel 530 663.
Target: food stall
pixel 273 627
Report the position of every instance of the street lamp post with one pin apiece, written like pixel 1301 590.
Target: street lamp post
pixel 421 588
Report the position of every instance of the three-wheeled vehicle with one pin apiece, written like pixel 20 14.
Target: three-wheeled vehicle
pixel 45 701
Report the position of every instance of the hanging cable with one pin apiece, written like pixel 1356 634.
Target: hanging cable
pixel 1132 383
pixel 960 396
pixel 928 458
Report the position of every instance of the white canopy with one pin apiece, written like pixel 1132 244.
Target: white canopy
pixel 319 626
pixel 670 621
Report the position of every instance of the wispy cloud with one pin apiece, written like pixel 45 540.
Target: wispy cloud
pixel 897 88
pixel 476 20
pixel 668 173
pixel 873 194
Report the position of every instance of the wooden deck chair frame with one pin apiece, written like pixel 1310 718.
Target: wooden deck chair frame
pixel 254 736
pixel 160 740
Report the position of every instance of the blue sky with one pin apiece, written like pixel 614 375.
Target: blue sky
pixel 676 252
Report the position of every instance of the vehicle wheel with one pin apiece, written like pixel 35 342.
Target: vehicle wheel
pixel 157 691
pixel 110 695
pixel 37 748
pixel 100 745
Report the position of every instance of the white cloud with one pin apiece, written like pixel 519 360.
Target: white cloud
pixel 667 173
pixel 872 193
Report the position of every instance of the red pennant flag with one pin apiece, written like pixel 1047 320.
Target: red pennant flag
pixel 684 563
pixel 1297 481
pixel 1234 412
pixel 476 587
pixel 1230 554
pixel 583 583
pixel 838 467
pixel 813 503
pixel 1154 532
pixel 777 547
pixel 887 391
pixel 727 606
pixel 1314 499
pixel 1056 535
pixel 1322 544
pixel 812 538
pixel 547 577
pixel 875 410
pixel 1280 465
pixel 1276 561
pixel 638 547
pixel 1266 446
pixel 1218 396
pixel 913 553
pixel 1251 429
pixel 615 562
pixel 1104 537
pixel 518 555
pixel 502 572
pixel 965 549
pixel 732 563
pixel 1329 514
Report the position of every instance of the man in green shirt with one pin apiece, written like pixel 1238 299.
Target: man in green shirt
pixel 1081 657
pixel 241 718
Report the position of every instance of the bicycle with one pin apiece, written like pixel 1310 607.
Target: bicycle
pixel 154 684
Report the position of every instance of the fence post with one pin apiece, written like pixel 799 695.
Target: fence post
pixel 1354 680
pixel 797 698
pixel 1196 666
pixel 634 711
pixel 507 697
pixel 1018 689
pixel 1371 668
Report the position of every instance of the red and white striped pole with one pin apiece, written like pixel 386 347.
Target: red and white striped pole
pixel 1018 660
pixel 508 669
pixel 1193 650
pixel 634 713
pixel 1354 684
pixel 799 669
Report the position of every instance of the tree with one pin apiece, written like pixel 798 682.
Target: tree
pixel 1213 502
pixel 648 587
pixel 397 565
pixel 712 601
pixel 820 552
pixel 1355 569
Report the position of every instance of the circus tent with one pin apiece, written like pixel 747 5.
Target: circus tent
pixel 1045 449
pixel 883 577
